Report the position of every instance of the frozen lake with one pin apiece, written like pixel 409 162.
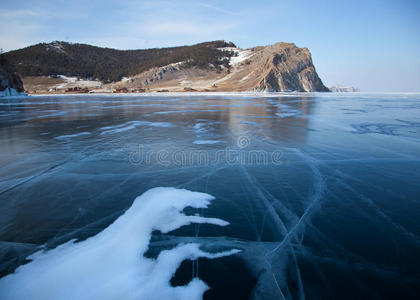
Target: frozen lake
pixel 321 193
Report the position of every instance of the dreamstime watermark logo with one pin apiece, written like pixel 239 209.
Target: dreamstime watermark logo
pixel 243 141
pixel 240 155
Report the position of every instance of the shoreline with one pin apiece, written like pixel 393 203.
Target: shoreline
pixel 217 94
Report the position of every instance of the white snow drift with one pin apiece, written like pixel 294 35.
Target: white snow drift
pixel 111 264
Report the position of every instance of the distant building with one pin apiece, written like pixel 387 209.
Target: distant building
pixel 121 90
pixel 77 89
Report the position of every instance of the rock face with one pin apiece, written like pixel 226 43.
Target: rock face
pixel 286 67
pixel 10 81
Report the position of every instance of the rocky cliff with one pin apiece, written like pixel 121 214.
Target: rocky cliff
pixel 282 67
pixel 285 67
pixel 9 80
pixel 276 68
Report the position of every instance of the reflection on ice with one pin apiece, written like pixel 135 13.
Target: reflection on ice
pixel 111 265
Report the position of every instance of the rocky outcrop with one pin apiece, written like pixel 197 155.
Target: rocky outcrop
pixel 286 67
pixel 282 67
pixel 10 81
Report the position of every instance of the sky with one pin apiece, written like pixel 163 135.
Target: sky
pixel 373 45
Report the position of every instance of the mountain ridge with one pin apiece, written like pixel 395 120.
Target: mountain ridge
pixel 214 65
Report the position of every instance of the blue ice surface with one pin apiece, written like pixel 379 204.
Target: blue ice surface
pixel 321 190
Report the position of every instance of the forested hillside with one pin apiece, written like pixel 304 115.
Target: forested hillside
pixel 105 64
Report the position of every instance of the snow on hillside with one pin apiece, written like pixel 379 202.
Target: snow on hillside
pixel 241 55
pixel 73 82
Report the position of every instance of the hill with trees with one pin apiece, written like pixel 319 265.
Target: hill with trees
pixel 108 65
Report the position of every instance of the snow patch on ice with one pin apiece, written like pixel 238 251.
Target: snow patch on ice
pixel 204 128
pixel 51 115
pixel 111 264
pixel 286 114
pixel 131 125
pixel 286 110
pixel 185 111
pixel 256 124
pixel 69 136
pixel 207 142
pixel 199 128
